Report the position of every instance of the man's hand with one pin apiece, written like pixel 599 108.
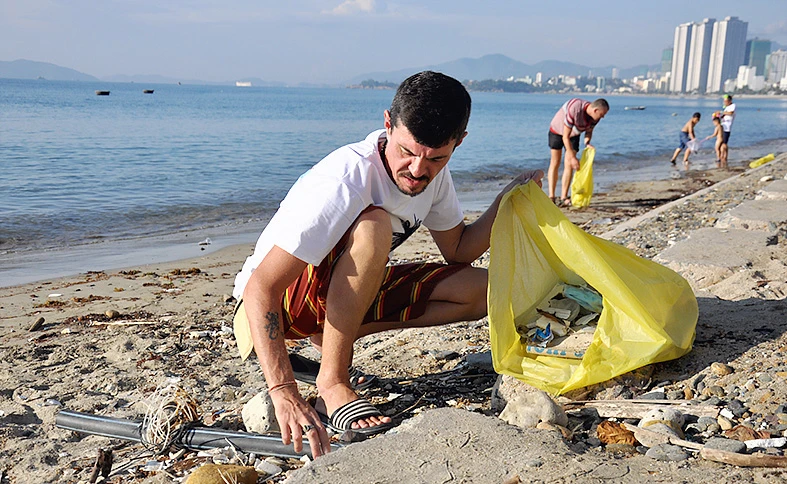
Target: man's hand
pixel 297 419
pixel 572 161
pixel 526 176
pixel 522 178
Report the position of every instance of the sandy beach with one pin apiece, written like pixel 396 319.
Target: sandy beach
pixel 108 339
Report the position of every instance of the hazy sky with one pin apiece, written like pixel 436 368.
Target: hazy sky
pixel 333 40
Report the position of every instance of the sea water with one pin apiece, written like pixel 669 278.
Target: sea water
pixel 104 181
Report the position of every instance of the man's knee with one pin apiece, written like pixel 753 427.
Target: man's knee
pixel 467 286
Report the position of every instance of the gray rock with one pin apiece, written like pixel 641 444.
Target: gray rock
pixel 667 452
pixel 653 396
pixel 705 422
pixel 713 401
pixel 534 463
pixel 482 361
pixel 446 355
pixel 720 443
pixel 259 415
pixel 737 408
pixel 675 395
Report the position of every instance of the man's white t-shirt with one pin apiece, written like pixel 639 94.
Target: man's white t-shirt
pixel 326 200
pixel 727 116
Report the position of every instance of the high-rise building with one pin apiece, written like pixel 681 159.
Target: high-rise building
pixel 615 73
pixel 777 66
pixel 666 60
pixel 727 52
pixel 699 55
pixel 539 77
pixel 756 52
pixel 680 57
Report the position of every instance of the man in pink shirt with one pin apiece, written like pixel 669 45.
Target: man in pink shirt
pixel 576 116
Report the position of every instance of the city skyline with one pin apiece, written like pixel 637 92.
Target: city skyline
pixel 325 41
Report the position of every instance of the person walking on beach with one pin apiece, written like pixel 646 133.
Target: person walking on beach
pixel 727 116
pixel 320 268
pixel 719 135
pixel 576 116
pixel 686 135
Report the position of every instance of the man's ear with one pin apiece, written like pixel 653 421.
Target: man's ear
pixel 388 126
pixel 459 141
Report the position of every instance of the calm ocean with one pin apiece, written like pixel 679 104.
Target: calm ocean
pixel 94 182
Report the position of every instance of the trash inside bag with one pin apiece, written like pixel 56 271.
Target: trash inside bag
pixel 539 260
pixel 582 185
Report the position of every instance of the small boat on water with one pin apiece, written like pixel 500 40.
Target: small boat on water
pixel 243 83
pixel 147 91
pixel 634 108
pixel 102 93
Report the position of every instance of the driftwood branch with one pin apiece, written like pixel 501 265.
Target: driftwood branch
pixel 743 460
pixel 638 408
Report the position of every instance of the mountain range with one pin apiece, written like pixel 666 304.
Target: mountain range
pixel 493 66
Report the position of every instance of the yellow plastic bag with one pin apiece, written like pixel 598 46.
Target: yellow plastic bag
pixel 649 312
pixel 582 185
pixel 765 159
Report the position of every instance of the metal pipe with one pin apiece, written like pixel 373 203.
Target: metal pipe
pixel 197 438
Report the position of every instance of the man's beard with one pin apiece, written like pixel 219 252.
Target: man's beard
pixel 410 193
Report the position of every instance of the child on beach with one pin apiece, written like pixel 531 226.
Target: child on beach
pixel 718 134
pixel 686 135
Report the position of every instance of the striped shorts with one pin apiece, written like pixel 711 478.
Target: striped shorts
pixel 403 296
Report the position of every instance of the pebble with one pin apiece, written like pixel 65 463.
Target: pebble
pixel 721 369
pixel 534 463
pixel 37 324
pixel 705 422
pixel 764 378
pixel 736 407
pixel 621 449
pixel 266 467
pixel 724 422
pixel 667 452
pixel 729 445
pixel 111 313
pixel 676 395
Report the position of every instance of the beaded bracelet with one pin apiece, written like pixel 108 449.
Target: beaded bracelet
pixel 281 385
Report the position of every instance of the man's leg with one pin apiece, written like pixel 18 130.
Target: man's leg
pixel 554 166
pixel 568 173
pixel 355 282
pixel 459 297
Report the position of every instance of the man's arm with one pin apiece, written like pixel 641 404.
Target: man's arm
pixel 588 136
pixel 262 302
pixel 465 243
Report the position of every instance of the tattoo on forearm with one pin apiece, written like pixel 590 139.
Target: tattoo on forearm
pixel 272 326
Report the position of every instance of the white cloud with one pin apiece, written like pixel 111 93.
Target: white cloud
pixel 350 7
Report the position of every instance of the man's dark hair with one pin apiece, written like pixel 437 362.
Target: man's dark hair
pixel 600 103
pixel 434 107
pixel 696 115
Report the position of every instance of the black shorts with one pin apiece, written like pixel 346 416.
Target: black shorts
pixel 725 137
pixel 556 142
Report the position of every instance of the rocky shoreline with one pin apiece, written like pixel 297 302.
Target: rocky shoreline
pixel 109 339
